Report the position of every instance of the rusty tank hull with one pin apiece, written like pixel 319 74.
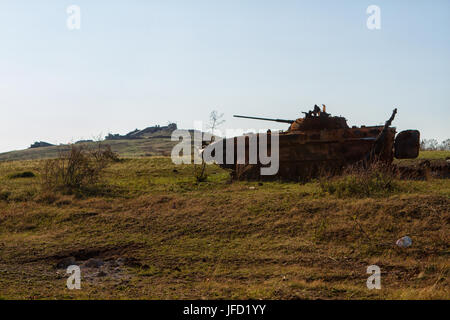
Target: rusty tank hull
pixel 321 143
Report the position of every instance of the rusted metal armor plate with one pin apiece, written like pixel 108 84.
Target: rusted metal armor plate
pixel 407 144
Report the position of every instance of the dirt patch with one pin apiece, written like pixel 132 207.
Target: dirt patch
pixel 65 258
pixel 425 169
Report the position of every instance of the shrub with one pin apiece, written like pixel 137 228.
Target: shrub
pixel 377 179
pixel 77 170
pixel 200 172
pixel 25 174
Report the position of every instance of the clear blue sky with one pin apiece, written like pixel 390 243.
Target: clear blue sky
pixel 138 63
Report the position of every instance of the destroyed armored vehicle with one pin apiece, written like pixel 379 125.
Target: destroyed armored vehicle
pixel 319 142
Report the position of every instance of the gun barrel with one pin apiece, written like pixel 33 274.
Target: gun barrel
pixel 265 119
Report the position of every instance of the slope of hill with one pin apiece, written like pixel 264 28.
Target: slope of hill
pixel 151 141
pixel 125 148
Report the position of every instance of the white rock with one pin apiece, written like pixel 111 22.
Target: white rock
pixel 404 242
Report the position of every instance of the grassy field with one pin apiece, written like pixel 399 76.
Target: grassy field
pixel 161 235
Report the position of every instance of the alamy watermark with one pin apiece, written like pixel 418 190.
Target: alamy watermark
pixel 74 281
pixel 74 17
pixel 374 281
pixel 73 21
pixel 374 19
pixel 253 148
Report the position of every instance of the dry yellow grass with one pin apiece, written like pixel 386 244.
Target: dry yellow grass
pixel 161 235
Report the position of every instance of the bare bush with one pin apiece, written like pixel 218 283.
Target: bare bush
pixel 76 170
pixel 445 145
pixel 200 172
pixel 215 120
pixel 434 145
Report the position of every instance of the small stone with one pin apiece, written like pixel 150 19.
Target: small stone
pixel 64 263
pixel 404 242
pixel 94 263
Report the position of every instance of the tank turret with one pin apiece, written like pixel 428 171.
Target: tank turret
pixel 315 119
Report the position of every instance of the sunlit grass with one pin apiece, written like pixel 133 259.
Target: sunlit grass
pixel 221 239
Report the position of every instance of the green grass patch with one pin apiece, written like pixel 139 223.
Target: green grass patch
pixel 434 155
